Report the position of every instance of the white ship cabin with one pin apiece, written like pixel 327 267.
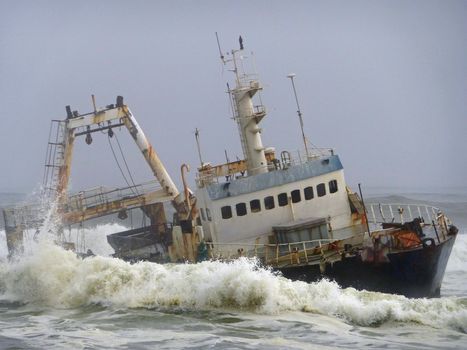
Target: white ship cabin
pixel 264 199
pixel 291 202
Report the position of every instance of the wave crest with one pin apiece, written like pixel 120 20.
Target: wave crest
pixel 57 278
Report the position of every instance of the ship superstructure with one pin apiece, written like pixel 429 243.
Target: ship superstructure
pixel 252 200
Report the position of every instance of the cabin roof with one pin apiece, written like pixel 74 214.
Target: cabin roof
pixel 274 178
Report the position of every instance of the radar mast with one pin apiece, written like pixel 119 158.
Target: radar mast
pixel 246 113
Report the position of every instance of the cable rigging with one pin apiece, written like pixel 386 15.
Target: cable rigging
pixel 132 188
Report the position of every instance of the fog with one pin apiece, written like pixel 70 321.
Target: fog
pixel 382 82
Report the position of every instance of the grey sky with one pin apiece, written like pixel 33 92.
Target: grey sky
pixel 383 82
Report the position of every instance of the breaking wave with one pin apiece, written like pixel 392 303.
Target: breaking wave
pixel 54 277
pixel 458 259
pixel 3 247
pixel 95 238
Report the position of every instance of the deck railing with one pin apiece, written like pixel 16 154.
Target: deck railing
pixel 300 156
pixel 400 213
pixel 270 253
pixel 285 160
pixel 31 216
pixel 101 195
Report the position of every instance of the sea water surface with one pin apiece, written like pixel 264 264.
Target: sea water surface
pixel 52 299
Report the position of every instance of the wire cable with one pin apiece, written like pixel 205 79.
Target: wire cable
pixel 126 165
pixel 119 167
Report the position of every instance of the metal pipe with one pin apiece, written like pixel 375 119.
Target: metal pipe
pixel 151 156
pixel 198 145
pixel 94 103
pixel 186 168
pixel 436 231
pixel 299 112
pixel 364 208
pixel 65 169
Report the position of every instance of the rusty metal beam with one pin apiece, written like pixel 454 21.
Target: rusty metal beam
pixel 154 162
pixel 231 168
pixel 65 169
pixel 224 169
pixel 99 129
pixel 96 118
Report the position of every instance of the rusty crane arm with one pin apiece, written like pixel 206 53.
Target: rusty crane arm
pixel 80 208
pixel 122 113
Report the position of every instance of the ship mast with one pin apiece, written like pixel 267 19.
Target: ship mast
pixel 248 115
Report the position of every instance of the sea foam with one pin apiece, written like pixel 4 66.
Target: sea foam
pixel 54 277
pixel 458 259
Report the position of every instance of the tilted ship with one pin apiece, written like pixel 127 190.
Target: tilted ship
pixel 294 214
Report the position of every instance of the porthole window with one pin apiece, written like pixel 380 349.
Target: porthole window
pixel 308 192
pixel 295 194
pixel 202 214
pixel 255 205
pixel 241 209
pixel 208 214
pixel 282 199
pixel 269 202
pixel 226 212
pixel 333 186
pixel 321 190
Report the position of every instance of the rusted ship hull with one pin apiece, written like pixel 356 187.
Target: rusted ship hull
pixel 414 273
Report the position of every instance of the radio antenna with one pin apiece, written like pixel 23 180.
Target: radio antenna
pixel 299 112
pixel 220 51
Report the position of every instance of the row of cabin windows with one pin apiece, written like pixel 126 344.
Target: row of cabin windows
pixel 282 200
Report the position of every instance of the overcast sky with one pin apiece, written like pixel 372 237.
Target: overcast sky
pixel 383 82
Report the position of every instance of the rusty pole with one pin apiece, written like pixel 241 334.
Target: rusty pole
pixel 153 159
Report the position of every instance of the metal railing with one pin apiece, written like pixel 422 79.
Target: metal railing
pixel 270 253
pixel 247 80
pixel 101 195
pixel 313 153
pixel 32 214
pixel 299 158
pixel 400 213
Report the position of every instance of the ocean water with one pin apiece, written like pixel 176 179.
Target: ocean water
pixel 52 299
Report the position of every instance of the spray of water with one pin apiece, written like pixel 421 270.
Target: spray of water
pixel 57 278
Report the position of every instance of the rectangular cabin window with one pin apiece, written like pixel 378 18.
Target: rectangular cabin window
pixel 308 192
pixel 202 214
pixel 208 214
pixel 295 194
pixel 282 199
pixel 226 212
pixel 255 205
pixel 321 190
pixel 269 202
pixel 241 209
pixel 333 186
